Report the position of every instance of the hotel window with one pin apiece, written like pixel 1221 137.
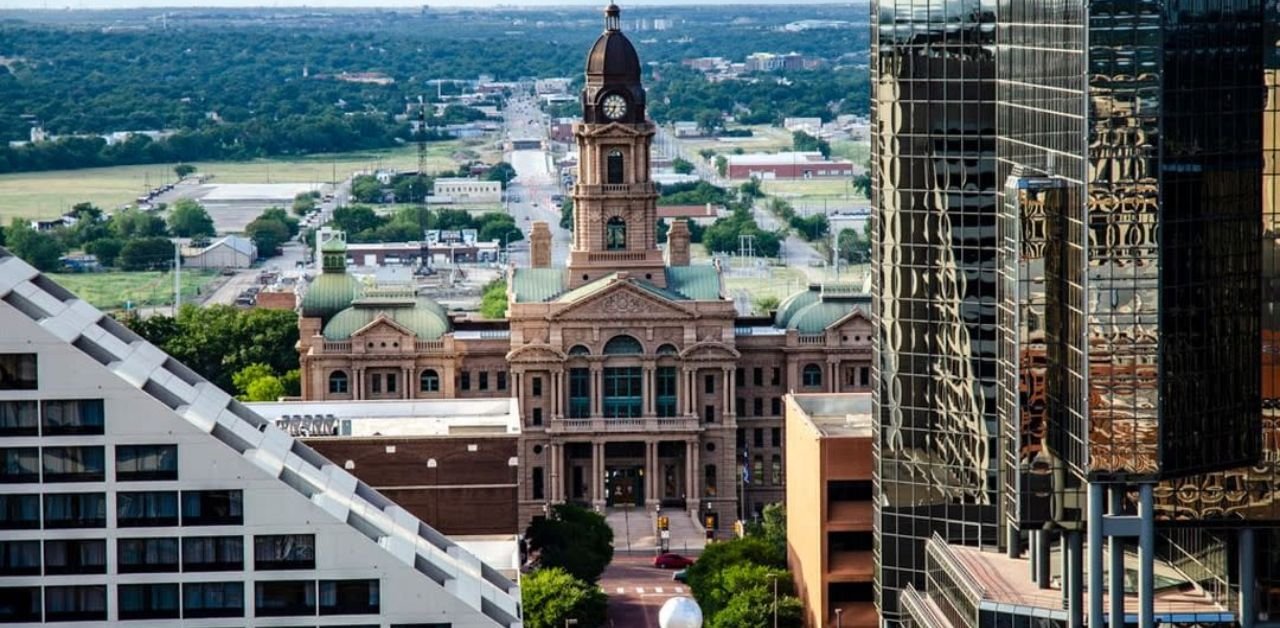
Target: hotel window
pixel 775 470
pixel 502 380
pixel 775 436
pixel 484 380
pixel 429 381
pixel 536 387
pixel 19 418
pixel 623 392
pixel 74 464
pixel 75 510
pixel 135 509
pixel 19 604
pixel 757 376
pixel 538 487
pixel 209 508
pixel 283 598
pixel 709 384
pixel 151 555
pixel 775 405
pixel 349 597
pixel 213 553
pixel 757 406
pixel 338 383
pixel 73 416
pixel 19 512
pixel 466 380
pixel 19 465
pixel 579 393
pixel 75 603
pixel 18 371
pixel 148 601
pixel 284 551
pixel 757 470
pixel 776 377
pixel 75 556
pixel 146 462
pixel 812 376
pixel 19 558
pixel 666 385
pixel 212 599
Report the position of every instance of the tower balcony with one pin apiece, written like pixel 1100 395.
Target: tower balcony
pixel 612 190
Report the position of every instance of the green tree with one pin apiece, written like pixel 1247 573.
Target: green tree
pixel 183 170
pixel 411 188
pixel 709 121
pixel 38 249
pixel 682 165
pixel 366 189
pixel 265 389
pixel 278 214
pixel 304 203
pixel 356 218
pixel 501 171
pixel 499 227
pixel 135 223
pixel 804 142
pixel 107 250
pixel 189 219
pixel 854 247
pixel 726 568
pixel 292 382
pixel 751 189
pixel 146 254
pixel 250 374
pixel 267 234
pixel 766 303
pixel 493 303
pixel 574 539
pixel 722 165
pixel 751 600
pixel 566 214
pixel 551 597
pixel 811 228
pixel 707 153
pixel 862 184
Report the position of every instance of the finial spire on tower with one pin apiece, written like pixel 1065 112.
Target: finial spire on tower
pixel 612 18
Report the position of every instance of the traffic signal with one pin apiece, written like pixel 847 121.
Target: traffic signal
pixel 664 523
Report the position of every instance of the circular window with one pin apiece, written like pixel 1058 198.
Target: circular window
pixel 648 275
pixel 395 345
pixel 711 446
pixel 370 345
pixel 383 345
pixel 537 449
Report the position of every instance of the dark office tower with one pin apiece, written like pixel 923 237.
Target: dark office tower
pixel 934 229
pixel 1131 307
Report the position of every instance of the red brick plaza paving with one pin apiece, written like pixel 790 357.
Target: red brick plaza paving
pixel 637 590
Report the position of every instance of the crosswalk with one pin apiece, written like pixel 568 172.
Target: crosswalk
pixel 651 590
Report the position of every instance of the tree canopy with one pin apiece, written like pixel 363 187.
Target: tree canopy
pixel 188 219
pixel 551 596
pixel 574 539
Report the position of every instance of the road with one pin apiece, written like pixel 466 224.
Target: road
pixel 637 590
pixel 529 196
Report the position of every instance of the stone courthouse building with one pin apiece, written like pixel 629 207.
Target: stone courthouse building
pixel 637 381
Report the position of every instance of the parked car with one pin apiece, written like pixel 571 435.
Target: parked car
pixel 681 576
pixel 671 561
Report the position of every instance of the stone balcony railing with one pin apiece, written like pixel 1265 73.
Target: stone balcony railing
pixel 813 339
pixel 619 256
pixel 623 425
pixel 617 189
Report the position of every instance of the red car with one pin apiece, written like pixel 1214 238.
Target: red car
pixel 671 561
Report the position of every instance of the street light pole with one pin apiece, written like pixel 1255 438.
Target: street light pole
pixel 839 612
pixel 774 577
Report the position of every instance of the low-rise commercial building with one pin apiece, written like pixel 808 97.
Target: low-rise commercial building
pixel 829 508
pixel 468 191
pixel 790 165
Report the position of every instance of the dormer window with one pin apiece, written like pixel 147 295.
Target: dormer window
pixel 614 168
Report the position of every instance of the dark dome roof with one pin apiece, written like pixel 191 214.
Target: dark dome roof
pixel 613 56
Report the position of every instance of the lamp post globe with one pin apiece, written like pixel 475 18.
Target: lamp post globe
pixel 680 612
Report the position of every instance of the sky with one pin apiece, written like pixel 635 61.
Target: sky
pixel 121 4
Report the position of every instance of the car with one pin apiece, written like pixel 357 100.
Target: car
pixel 671 561
pixel 681 576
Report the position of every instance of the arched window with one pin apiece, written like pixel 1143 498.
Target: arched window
pixel 668 349
pixel 338 383
pixel 614 169
pixel 429 381
pixel 579 350
pixel 615 234
pixel 623 345
pixel 811 377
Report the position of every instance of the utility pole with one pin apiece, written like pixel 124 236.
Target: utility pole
pixel 177 277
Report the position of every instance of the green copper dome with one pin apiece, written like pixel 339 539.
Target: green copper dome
pixel 816 309
pixel 329 294
pixel 424 317
pixel 794 303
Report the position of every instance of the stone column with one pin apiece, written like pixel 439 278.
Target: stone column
pixel 553 472
pixel 597 455
pixel 646 385
pixel 833 371
pixel 408 374
pixel 728 391
pixel 688 475
pixel 597 390
pixel 357 383
pixel 696 493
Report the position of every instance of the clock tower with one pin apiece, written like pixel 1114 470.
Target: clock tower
pixel 615 213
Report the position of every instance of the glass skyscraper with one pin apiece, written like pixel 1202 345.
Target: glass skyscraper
pixel 1117 288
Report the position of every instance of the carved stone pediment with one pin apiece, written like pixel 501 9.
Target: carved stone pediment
pixel 709 350
pixel 382 325
pixel 536 353
pixel 621 302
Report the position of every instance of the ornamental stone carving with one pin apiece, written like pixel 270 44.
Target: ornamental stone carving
pixel 622 303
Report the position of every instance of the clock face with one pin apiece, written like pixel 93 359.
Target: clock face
pixel 615 107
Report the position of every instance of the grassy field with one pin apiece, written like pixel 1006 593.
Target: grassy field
pixel 112 290
pixel 49 194
pixel 769 139
pixel 800 189
pixel 857 152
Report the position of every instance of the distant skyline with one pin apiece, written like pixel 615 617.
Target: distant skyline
pixel 151 4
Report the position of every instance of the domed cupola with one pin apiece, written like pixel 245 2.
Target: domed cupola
pixel 613 91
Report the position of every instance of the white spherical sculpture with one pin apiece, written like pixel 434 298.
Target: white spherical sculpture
pixel 680 612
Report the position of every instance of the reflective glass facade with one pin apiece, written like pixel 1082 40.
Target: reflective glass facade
pixel 934 230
